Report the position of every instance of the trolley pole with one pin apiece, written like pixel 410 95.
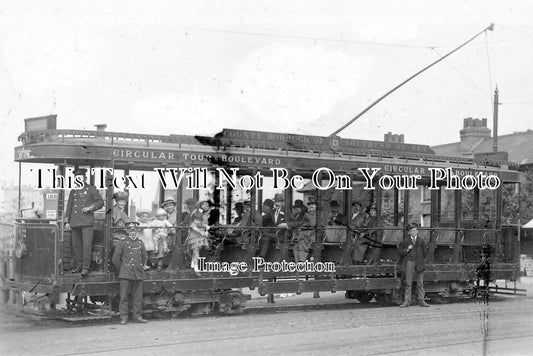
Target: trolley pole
pixel 495 122
pixel 489 28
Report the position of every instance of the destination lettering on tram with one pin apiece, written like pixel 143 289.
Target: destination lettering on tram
pixel 287 141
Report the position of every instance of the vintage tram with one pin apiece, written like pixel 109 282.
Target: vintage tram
pixel 456 223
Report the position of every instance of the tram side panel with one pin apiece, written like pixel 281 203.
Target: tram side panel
pixel 36 254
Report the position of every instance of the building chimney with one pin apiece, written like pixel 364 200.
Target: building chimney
pixel 100 127
pixel 394 138
pixel 473 133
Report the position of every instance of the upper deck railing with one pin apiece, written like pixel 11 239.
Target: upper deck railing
pixel 221 142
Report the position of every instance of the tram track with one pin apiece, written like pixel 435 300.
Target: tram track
pixel 388 329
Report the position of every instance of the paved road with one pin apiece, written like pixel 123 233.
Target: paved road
pixel 503 327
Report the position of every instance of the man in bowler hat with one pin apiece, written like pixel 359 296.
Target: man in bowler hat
pixel 79 216
pixel 130 258
pixel 413 251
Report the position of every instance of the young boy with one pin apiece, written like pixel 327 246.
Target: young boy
pixel 130 257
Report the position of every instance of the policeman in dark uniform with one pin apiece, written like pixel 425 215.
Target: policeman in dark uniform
pixel 79 216
pixel 130 257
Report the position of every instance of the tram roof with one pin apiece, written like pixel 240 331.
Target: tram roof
pixel 70 144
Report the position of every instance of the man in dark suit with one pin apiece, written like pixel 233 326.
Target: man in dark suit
pixel 413 251
pixel 79 216
pixel 336 218
pixel 130 258
pixel 278 213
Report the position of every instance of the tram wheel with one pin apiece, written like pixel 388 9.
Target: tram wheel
pixel 437 299
pixel 350 294
pixel 364 297
pixel 384 298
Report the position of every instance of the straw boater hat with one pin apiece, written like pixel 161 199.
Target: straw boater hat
pixel 169 200
pixel 160 212
pixel 143 211
pixel 279 197
pixel 199 203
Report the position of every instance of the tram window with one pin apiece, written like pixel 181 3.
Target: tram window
pixel 392 207
pixel 467 204
pixel 510 203
pixel 487 208
pixel 420 206
pixel 447 206
pixel 365 197
pixel 143 191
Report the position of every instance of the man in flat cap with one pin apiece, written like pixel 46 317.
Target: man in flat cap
pixel 79 216
pixel 130 257
pixel 413 251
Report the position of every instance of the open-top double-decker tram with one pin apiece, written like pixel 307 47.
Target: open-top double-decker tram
pixel 391 178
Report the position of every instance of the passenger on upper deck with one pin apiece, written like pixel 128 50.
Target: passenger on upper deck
pixel 79 216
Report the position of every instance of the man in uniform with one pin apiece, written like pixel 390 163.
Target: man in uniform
pixel 413 252
pixel 79 216
pixel 130 258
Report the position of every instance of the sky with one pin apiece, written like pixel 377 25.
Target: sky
pixel 308 67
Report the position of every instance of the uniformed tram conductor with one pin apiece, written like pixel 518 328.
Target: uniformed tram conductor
pixel 130 257
pixel 79 216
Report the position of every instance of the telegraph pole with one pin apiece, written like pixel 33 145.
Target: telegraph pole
pixel 495 122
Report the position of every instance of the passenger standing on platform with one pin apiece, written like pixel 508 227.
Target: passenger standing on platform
pixel 186 215
pixel 130 257
pixel 267 221
pixel 145 224
pixel 300 225
pixel 119 217
pixel 79 216
pixel 336 218
pixel 247 218
pixel 357 222
pixel 375 236
pixel 279 214
pixel 239 210
pixel 170 207
pixel 413 251
pixel 162 228
pixel 196 239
